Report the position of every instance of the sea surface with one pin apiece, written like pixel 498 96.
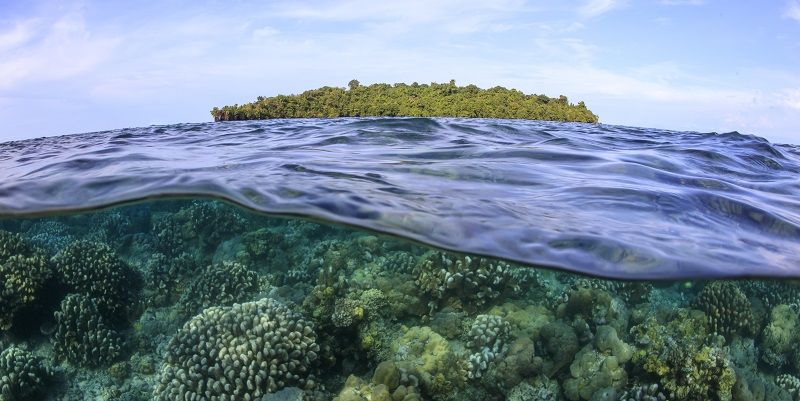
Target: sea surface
pixel 402 259
pixel 604 200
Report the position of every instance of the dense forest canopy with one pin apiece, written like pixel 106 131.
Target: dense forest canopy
pixel 414 100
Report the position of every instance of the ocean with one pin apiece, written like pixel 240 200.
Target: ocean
pixel 399 259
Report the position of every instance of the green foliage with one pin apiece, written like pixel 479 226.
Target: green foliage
pixel 402 100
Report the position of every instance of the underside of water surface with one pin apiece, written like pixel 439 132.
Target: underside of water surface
pixel 197 299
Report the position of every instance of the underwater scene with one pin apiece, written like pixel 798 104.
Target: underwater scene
pixel 198 299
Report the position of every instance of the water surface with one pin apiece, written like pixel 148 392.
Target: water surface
pixel 605 200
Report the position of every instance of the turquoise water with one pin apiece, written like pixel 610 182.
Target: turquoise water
pixel 200 299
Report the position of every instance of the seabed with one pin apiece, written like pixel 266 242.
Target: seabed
pixel 200 300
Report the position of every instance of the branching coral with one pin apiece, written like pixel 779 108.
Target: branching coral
pixel 650 392
pixel 21 374
pixel 23 272
pixel 203 224
pixel 488 340
pixel 95 270
pixel 82 336
pixel 791 384
pixel 240 352
pixel 219 285
pixel 678 354
pixel 728 309
pixel 467 280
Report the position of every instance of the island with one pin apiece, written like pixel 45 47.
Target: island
pixel 409 100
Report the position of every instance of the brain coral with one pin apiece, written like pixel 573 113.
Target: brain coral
pixel 241 352
pixel 598 367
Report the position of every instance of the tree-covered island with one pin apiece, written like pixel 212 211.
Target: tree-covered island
pixel 403 100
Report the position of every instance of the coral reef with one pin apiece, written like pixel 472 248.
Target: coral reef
pixel 791 384
pixel 649 392
pixel 50 235
pixel 466 281
pixel 430 357
pixel 678 353
pixel 22 374
pixel 728 309
pixel 588 308
pixel 780 336
pixel 378 319
pixel 241 352
pixel 82 336
pixel 389 383
pixel 23 272
pixel 488 339
pixel 772 292
pixel 166 275
pixel 221 284
pixel 599 367
pixel 95 270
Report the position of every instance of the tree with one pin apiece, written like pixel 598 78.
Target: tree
pixel 353 84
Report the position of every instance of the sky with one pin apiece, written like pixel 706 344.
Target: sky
pixel 700 65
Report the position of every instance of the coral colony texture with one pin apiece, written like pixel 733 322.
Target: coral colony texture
pixel 202 301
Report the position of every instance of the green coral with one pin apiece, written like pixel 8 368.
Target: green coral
pixel 588 308
pixel 23 272
pixel 22 375
pixel 791 384
pixel 431 358
pixel 241 352
pixel 202 225
pixel 466 281
pixel 728 309
pixel 82 335
pixel 560 344
pixel 95 270
pixel 389 383
pixel 598 367
pixel 780 336
pixel 221 284
pixel 678 354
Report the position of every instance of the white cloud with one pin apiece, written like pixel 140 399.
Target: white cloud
pixel 683 2
pixel 453 16
pixel 43 51
pixel 264 32
pixel 594 8
pixel 790 98
pixel 792 10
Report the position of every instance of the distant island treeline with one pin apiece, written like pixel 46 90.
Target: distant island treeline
pixel 404 100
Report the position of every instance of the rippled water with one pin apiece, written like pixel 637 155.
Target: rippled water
pixel 605 200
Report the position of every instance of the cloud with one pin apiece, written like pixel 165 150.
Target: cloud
pixel 594 8
pixel 790 98
pixel 792 10
pixel 453 16
pixel 37 51
pixel 683 2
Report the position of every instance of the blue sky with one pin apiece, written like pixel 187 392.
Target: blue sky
pixel 703 65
